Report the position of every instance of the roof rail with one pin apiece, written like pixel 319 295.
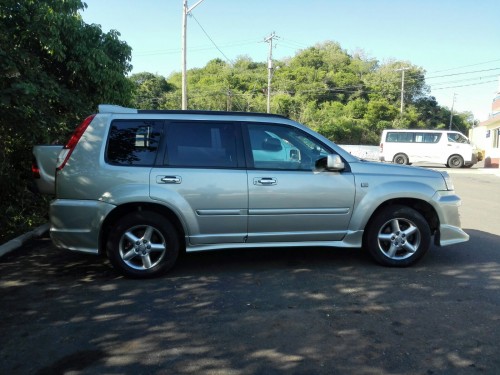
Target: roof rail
pixel 111 108
pixel 205 112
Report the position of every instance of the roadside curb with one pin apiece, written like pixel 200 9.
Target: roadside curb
pixel 21 240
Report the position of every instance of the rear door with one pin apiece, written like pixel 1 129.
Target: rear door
pixel 203 179
pixel 289 199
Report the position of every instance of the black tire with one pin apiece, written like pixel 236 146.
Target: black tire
pixel 455 161
pixel 143 245
pixel 397 236
pixel 400 159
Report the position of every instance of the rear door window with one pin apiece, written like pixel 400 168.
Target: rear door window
pixel 203 144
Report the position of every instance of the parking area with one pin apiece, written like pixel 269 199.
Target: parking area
pixel 268 311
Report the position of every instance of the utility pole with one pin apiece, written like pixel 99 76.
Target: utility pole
pixel 185 11
pixel 451 112
pixel 402 70
pixel 269 40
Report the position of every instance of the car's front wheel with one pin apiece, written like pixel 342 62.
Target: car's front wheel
pixel 455 161
pixel 398 236
pixel 143 244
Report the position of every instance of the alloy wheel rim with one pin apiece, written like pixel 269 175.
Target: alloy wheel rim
pixel 142 247
pixel 399 239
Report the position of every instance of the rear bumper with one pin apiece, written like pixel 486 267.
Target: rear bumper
pixel 76 224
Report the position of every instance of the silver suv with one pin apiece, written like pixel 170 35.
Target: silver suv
pixel 143 186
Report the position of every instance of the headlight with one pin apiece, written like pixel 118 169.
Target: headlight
pixel 448 181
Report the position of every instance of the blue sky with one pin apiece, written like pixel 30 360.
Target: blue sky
pixel 456 41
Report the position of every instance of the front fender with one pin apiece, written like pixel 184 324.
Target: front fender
pixel 369 198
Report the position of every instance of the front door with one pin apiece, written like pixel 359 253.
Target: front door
pixel 289 198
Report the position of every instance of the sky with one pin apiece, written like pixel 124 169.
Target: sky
pixel 457 42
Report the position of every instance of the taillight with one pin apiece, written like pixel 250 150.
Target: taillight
pixel 73 141
pixel 35 170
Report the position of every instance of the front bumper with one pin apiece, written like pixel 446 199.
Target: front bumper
pixel 449 232
pixel 450 235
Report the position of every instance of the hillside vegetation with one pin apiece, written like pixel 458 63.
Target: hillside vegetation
pixel 349 98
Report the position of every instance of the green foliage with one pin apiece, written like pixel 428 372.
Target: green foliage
pixel 54 70
pixel 348 98
pixel 149 90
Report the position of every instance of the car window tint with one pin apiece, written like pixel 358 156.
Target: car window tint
pixel 400 137
pixel 133 143
pixel 201 144
pixel 282 147
pixel 457 138
pixel 432 137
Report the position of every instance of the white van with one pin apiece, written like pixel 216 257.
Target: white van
pixel 432 146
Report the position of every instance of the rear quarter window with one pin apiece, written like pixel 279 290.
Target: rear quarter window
pixel 133 143
pixel 399 137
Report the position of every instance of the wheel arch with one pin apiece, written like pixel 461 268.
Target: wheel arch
pixel 128 208
pixel 423 207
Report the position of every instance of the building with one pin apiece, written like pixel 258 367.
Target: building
pixel 486 135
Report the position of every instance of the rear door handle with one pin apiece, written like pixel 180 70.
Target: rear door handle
pixel 265 181
pixel 168 179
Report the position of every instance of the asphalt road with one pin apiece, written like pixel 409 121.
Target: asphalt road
pixel 309 311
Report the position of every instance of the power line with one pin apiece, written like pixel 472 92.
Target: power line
pixel 472 84
pixel 457 74
pixel 172 51
pixel 211 40
pixel 464 80
pixel 465 66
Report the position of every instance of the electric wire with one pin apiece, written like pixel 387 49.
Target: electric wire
pixel 457 74
pixel 211 40
pixel 465 66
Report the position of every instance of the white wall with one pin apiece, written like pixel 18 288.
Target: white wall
pixel 363 152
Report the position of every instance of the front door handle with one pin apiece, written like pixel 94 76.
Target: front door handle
pixel 267 181
pixel 168 179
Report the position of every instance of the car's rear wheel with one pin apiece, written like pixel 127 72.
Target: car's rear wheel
pixel 143 244
pixel 398 236
pixel 400 159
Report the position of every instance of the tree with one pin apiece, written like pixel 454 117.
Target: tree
pixel 385 82
pixel 54 70
pixel 150 90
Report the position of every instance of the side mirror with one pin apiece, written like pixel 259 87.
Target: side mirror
pixel 334 163
pixel 331 162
